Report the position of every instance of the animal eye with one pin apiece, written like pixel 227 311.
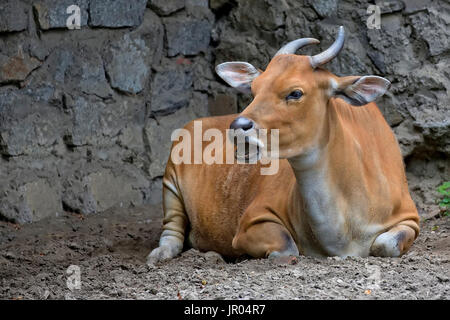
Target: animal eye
pixel 294 95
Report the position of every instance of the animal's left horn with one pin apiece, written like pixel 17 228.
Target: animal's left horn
pixel 331 52
pixel 293 46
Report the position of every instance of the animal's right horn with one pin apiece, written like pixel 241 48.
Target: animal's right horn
pixel 293 46
pixel 331 52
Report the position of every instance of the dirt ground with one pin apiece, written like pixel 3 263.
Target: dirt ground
pixel 110 251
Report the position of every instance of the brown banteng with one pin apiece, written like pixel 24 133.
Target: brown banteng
pixel 341 187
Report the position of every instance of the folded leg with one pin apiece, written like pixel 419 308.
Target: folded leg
pixel 174 225
pixel 265 239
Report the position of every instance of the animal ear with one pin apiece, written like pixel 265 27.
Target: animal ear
pixel 237 74
pixel 359 91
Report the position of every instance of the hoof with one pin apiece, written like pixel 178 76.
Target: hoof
pixel 214 257
pixel 289 260
pixel 160 254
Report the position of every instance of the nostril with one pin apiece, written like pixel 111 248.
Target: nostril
pixel 242 123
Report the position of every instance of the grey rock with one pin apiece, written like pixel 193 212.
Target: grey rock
pixel 430 106
pixel 85 121
pixel 40 200
pixel 412 6
pixel 437 137
pixel 43 93
pixel 158 134
pixel 186 35
pixel 424 175
pixel 131 137
pixel 93 122
pixel 426 113
pixel 53 14
pixel 391 6
pixel 28 198
pixel 199 104
pixel 38 50
pixel 27 127
pixel 155 196
pixel 218 4
pixel 238 47
pixel 92 78
pixel 197 3
pixel 58 64
pixel 17 67
pixel 13 16
pixel 199 9
pixel 388 106
pixel 171 90
pixel 117 115
pixel 433 26
pixel 325 8
pixel 152 32
pixel 126 64
pixel 261 14
pixel 164 7
pixel 394 43
pixel 117 13
pixel 86 73
pixel 409 137
pixel 377 59
pixel 203 75
pixel 93 189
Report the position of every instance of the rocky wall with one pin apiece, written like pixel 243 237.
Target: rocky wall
pixel 86 115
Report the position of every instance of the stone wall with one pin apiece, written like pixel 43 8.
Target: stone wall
pixel 86 115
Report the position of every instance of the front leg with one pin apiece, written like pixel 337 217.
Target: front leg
pixel 169 247
pixel 174 225
pixel 264 238
pixel 393 243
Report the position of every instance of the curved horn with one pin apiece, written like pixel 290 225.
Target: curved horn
pixel 331 52
pixel 293 46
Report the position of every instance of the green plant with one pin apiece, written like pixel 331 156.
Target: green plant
pixel 444 190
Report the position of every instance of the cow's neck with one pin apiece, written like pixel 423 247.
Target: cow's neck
pixel 321 209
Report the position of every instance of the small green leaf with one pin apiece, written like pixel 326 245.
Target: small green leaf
pixel 444 188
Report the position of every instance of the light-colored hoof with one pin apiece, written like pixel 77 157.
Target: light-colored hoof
pixel 214 257
pixel 160 254
pixel 280 258
pixel 393 243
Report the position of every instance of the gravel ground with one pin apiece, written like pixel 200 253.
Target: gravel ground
pixel 110 250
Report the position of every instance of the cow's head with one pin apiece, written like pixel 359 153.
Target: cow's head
pixel 292 94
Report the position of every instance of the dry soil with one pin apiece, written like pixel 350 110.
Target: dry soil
pixel 110 250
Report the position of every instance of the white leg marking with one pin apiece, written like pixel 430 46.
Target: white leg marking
pixel 169 247
pixel 386 245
